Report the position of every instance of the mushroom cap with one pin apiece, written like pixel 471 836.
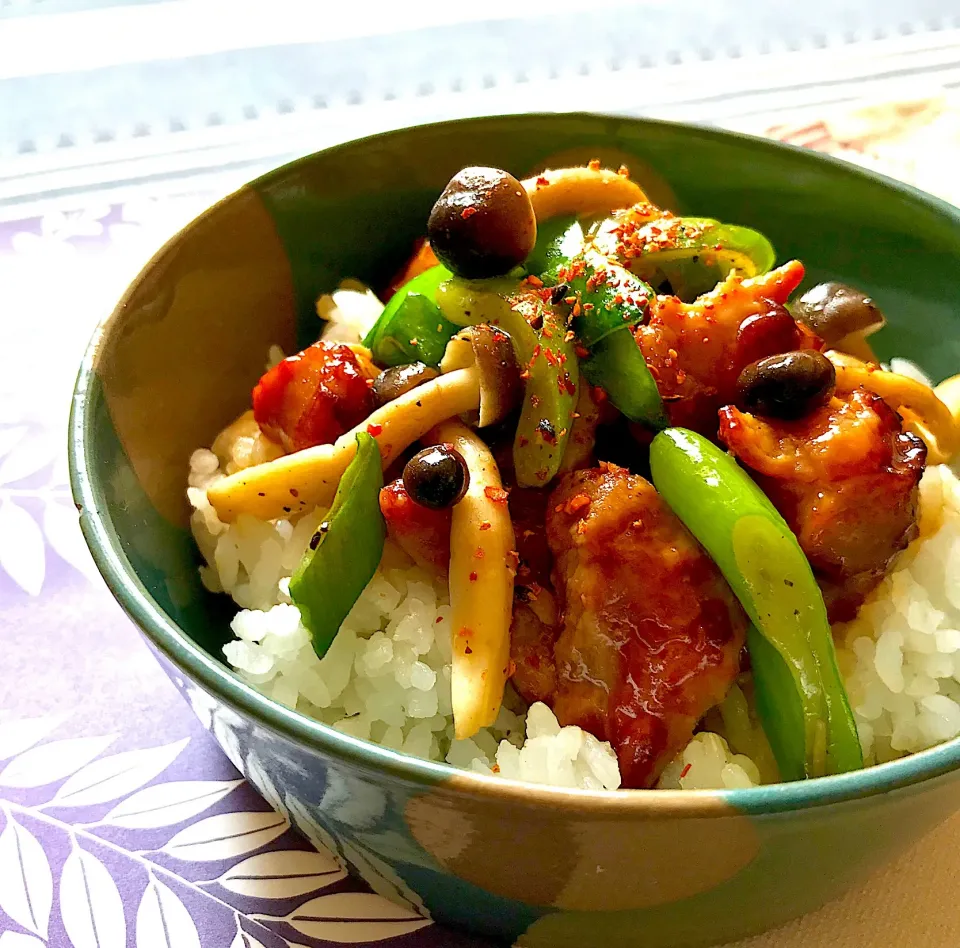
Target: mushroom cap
pixel 834 311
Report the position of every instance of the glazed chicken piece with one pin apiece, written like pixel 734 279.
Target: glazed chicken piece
pixel 845 479
pixel 697 350
pixel 534 629
pixel 423 534
pixel 313 397
pixel 651 633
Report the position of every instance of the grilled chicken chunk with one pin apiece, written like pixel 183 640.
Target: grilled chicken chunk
pixel 697 350
pixel 423 534
pixel 651 633
pixel 845 479
pixel 313 397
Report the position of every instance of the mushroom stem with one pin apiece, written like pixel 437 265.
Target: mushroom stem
pixel 305 479
pixel 482 567
pixel 581 191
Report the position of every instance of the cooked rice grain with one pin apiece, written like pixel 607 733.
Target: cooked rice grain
pixel 901 655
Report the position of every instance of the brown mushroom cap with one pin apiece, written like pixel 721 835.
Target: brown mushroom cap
pixel 835 311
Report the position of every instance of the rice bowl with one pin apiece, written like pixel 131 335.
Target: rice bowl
pixel 525 867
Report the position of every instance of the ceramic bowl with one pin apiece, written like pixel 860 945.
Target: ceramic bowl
pixel 544 867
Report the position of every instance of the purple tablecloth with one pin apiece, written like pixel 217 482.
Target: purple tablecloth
pixel 121 820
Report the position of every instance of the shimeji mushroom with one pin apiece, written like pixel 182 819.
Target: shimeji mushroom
pixel 842 317
pixel 305 479
pixel 482 568
pixel 583 192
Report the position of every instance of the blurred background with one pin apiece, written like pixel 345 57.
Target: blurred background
pixel 148 98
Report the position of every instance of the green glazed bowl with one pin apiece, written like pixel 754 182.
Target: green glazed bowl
pixel 543 867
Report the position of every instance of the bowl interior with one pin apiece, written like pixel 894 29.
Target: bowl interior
pixel 178 358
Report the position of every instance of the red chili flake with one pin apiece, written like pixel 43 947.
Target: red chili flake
pixel 576 308
pixel 464 632
pixel 547 332
pixel 569 300
pixel 525 374
pixel 569 335
pixel 581 352
pixel 374 429
pixel 478 553
pixel 549 356
pixel 594 164
pixel 536 352
pixel 495 768
pixel 623 171
pixel 467 650
pixel 638 524
pixel 685 771
pixel 578 502
pixel 439 619
pixel 672 353
pixel 497 494
pixel 534 280
pixel 294 492
pixel 542 181
pixel 468 212
pixel 599 395
pixel 473 577
pixel 414 342
pixel 563 431
pixel 587 307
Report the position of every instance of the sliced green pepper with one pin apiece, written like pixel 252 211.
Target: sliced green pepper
pixel 411 327
pixel 608 301
pixel 617 365
pixel 539 335
pixel 345 552
pixel 688 256
pixel 559 240
pixel 800 695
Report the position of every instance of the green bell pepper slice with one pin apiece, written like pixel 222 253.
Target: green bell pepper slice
pixel 800 695
pixel 608 302
pixel 538 332
pixel 559 240
pixel 609 296
pixel 616 364
pixel 698 253
pixel 345 552
pixel 411 327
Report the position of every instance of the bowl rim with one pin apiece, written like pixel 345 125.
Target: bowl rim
pixel 227 687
